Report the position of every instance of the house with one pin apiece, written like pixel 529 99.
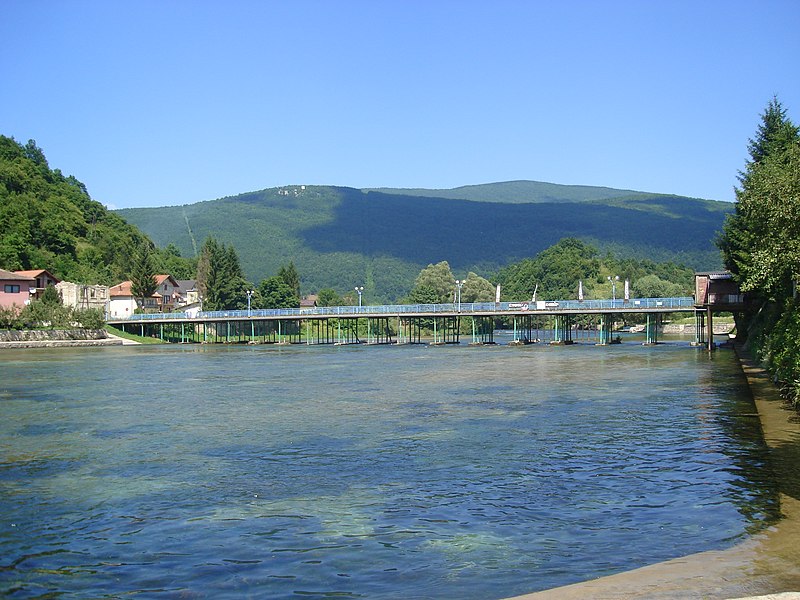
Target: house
pixel 78 295
pixel 15 289
pixel 123 304
pixel 43 278
pixel 187 292
pixel 309 301
pixel 167 292
pixel 717 290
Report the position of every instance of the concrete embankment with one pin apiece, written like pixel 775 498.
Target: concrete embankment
pixel 56 338
pixel 765 566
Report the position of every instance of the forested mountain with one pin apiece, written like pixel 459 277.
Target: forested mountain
pixel 515 192
pixel 340 237
pixel 48 221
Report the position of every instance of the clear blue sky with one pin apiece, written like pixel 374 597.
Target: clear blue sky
pixel 162 102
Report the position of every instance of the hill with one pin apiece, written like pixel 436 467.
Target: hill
pixel 518 192
pixel 48 221
pixel 341 237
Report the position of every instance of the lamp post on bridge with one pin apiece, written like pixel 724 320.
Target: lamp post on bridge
pixel 359 289
pixel 613 287
pixel 249 295
pixel 459 284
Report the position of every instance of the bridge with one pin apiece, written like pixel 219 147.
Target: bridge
pixel 554 321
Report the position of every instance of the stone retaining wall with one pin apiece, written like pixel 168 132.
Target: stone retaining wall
pixel 55 338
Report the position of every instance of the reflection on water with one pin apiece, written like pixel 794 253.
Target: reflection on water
pixel 389 472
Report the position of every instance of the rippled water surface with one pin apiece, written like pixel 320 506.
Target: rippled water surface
pixel 376 472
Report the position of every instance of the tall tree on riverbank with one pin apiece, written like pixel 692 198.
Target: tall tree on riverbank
pixel 142 273
pixel 760 245
pixel 220 278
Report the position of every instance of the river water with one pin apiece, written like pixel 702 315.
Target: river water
pixel 375 472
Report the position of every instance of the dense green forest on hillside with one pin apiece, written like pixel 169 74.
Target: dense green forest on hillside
pixel 342 237
pixel 48 221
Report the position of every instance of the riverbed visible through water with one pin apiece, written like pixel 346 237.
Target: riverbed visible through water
pixel 374 472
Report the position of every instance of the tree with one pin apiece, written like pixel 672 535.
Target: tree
pixel 276 293
pixel 555 271
pixel 142 272
pixel 652 286
pixel 328 297
pixel 290 277
pixel 436 283
pixel 220 279
pixel 477 289
pixel 760 244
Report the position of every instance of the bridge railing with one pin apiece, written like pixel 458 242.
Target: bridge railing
pixel 467 308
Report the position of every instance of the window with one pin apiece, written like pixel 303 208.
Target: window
pixel 11 289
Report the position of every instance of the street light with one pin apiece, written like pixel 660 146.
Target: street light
pixel 359 289
pixel 459 284
pixel 249 294
pixel 613 287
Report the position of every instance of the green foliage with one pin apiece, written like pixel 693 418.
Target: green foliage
pixel 477 289
pixel 291 278
pixel 339 238
pixel 142 273
pixel 219 277
pixel 652 286
pixel 169 260
pixel 276 293
pixel 49 221
pixel 50 296
pixel 435 282
pixel 760 244
pixel 553 273
pixel 329 297
pixel 9 318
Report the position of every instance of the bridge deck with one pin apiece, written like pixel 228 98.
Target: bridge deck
pixel 464 309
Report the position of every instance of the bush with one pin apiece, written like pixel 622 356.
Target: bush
pixel 90 318
pixel 9 318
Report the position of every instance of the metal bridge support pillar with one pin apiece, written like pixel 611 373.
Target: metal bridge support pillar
pixel 699 329
pixel 651 330
pixel 562 333
pixel 606 327
pixel 711 344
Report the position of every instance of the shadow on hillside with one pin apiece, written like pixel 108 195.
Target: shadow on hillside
pixel 427 230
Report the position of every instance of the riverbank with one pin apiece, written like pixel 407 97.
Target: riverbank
pixel 768 563
pixel 56 338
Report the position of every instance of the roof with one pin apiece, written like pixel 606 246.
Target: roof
pixel 162 278
pixel 121 289
pixel 37 272
pixel 124 288
pixel 716 274
pixel 186 285
pixel 18 276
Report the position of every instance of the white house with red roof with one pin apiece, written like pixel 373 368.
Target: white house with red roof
pixel 122 302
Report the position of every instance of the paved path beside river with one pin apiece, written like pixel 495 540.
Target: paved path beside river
pixel 769 563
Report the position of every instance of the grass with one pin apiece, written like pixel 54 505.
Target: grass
pixel 131 336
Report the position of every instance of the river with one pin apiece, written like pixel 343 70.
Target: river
pixel 377 472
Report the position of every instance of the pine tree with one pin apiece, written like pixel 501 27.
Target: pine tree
pixel 142 275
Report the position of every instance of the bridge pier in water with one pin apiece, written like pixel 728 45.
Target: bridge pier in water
pixel 562 330
pixel 483 331
pixel 651 329
pixel 606 330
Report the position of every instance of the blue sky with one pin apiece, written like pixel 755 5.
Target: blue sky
pixel 152 103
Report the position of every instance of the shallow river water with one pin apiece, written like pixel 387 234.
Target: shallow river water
pixel 375 472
